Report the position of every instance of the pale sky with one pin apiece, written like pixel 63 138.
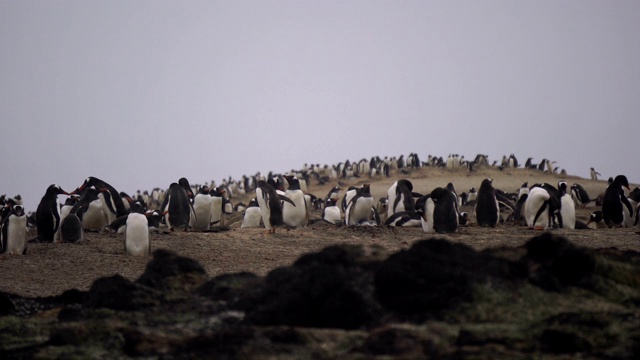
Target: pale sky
pixel 141 93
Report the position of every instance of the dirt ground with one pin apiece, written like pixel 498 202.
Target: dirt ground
pixel 49 269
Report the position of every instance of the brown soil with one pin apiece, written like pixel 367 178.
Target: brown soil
pixel 49 269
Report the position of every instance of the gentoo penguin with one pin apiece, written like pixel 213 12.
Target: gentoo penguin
pixel 217 206
pixel 93 217
pixel 400 197
pixel 472 197
pixel 48 214
pixel 536 209
pixel 487 208
pixel 65 209
pixel 580 195
pixel 425 207
pixel 295 215
pixel 567 207
pixel 596 219
pixel 594 174
pixel 252 215
pixel 351 192
pixel 270 206
pixel 334 193
pixel 71 228
pixel 112 204
pixel 202 207
pixel 14 230
pixel 403 219
pixel 518 213
pixel 616 208
pixel 382 207
pixel 359 207
pixel 177 207
pixel 445 212
pixel 136 241
pixel 184 183
pixel 331 212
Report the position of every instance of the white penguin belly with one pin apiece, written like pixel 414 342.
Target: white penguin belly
pixel 137 235
pixel 295 216
pixel 16 235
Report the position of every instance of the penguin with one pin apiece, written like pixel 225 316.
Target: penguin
pixel 359 207
pixel 93 217
pixel 13 236
pixel 567 207
pixel 48 214
pixel 487 208
pixel 472 196
pixel 445 212
pixel 382 207
pixel 580 195
pixel 270 206
pixel 153 218
pixel 616 208
pixel 351 192
pixel 136 241
pixel 71 226
pixel 252 215
pixel 334 193
pixel 425 207
pixel 594 174
pixel 112 204
pixel 400 197
pixel 217 206
pixel 177 207
pixel 596 219
pixel 295 215
pixel 202 207
pixel 184 184
pixel 403 219
pixel 65 209
pixel 536 211
pixel 331 212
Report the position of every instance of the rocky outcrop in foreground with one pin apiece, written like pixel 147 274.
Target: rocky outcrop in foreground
pixel 547 299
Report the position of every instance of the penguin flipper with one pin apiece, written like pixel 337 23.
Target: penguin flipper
pixel 285 198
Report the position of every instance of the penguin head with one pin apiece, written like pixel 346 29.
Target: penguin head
pixel 54 189
pixel 595 217
pixel 204 189
pixel 622 180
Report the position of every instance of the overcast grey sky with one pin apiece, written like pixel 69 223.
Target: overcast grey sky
pixel 141 93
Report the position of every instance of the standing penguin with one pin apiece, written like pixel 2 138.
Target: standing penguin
pixel 296 215
pixel 270 207
pixel 71 225
pixel 400 197
pixel 567 207
pixel 580 195
pixel 136 241
pixel 616 208
pixel 425 207
pixel 359 207
pixel 487 209
pixel 594 174
pixel 217 206
pixel 177 207
pixel 93 217
pixel 445 212
pixel 252 215
pixel 48 214
pixel 14 230
pixel 202 207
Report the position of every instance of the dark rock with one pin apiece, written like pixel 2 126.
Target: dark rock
pixel 560 341
pixel 392 341
pixel 6 305
pixel 118 293
pixel 170 272
pixel 229 287
pixel 559 263
pixel 434 275
pixel 321 290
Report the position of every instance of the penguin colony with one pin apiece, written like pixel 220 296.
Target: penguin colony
pixel 284 201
